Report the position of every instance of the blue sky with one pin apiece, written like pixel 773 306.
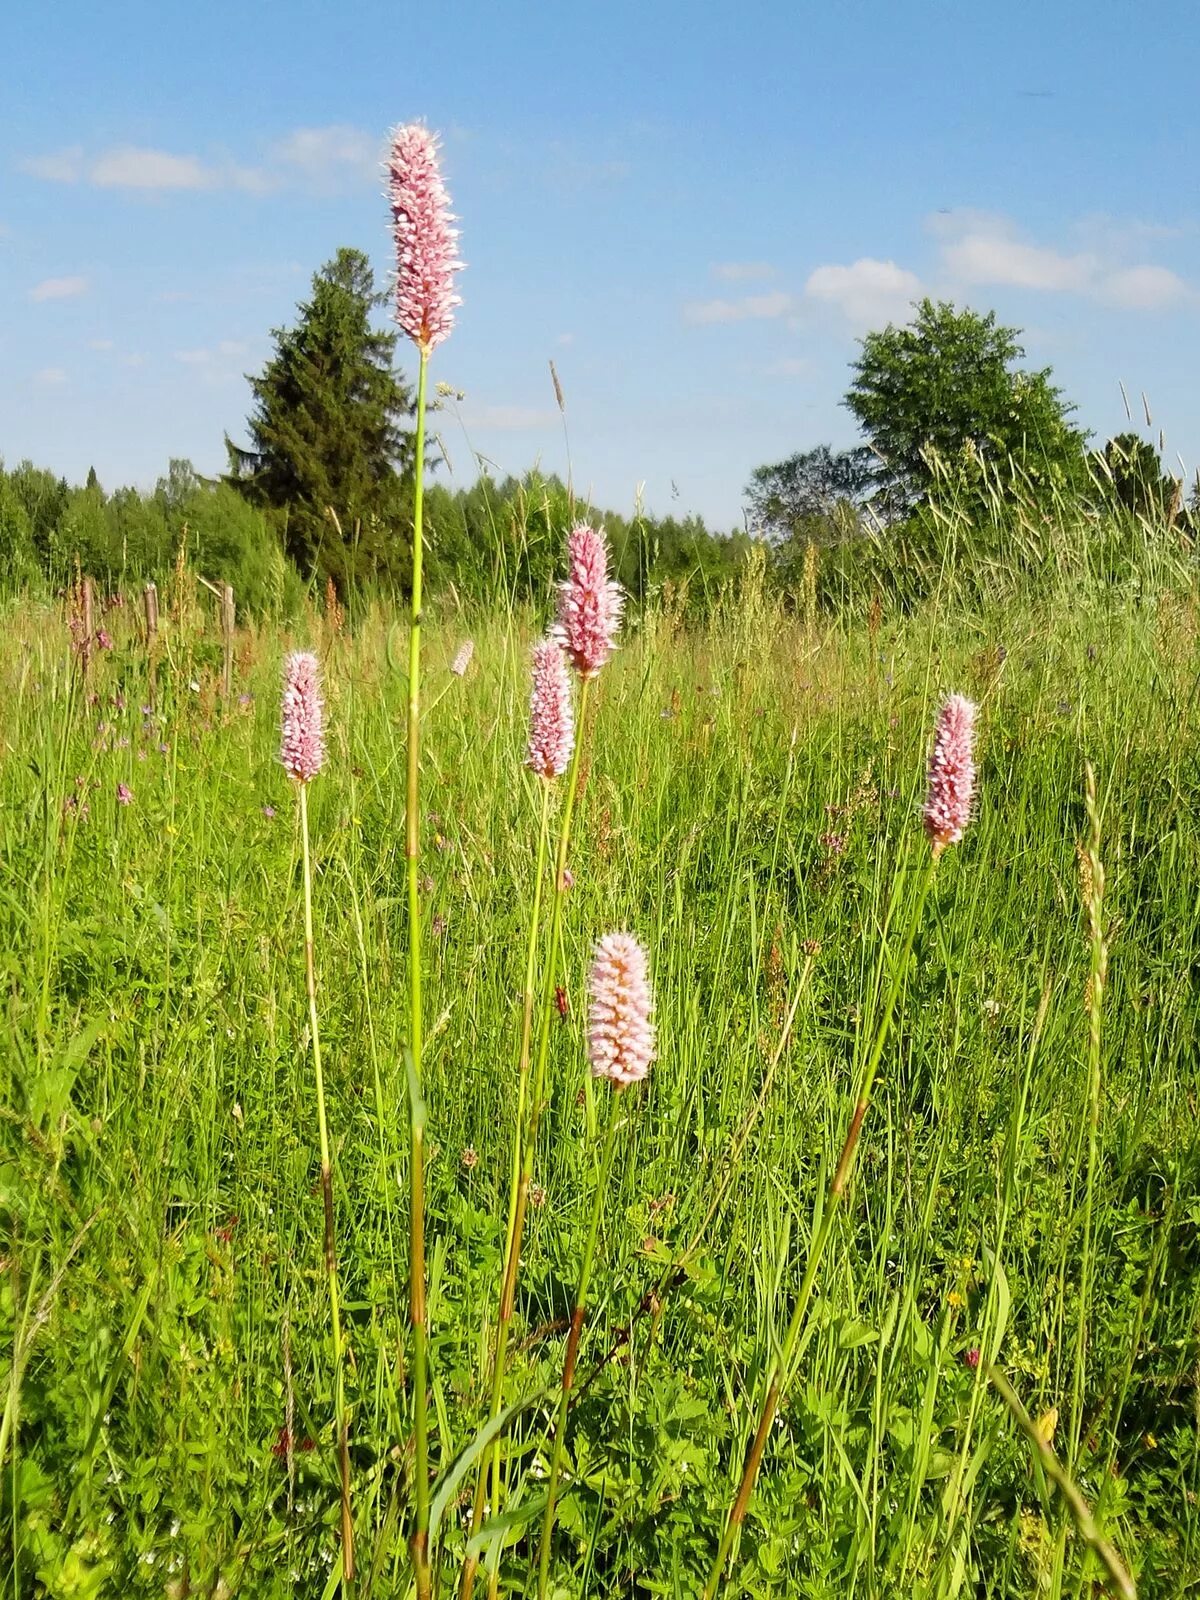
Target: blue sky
pixel 694 210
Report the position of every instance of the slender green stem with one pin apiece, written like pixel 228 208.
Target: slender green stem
pixel 512 1239
pixel 781 1368
pixel 416 1260
pixel 335 1317
pixel 1119 1580
pixel 573 1338
pixel 1098 974
pixel 533 1110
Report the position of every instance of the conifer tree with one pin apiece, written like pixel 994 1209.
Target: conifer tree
pixel 328 432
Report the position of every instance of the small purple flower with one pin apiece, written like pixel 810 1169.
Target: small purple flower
pixel 268 812
pixel 972 1358
pixel 124 794
pixel 104 639
pixel 164 749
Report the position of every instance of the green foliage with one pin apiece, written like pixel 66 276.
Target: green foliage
pixel 327 433
pixel 1129 474
pixel 751 784
pixel 814 494
pixel 941 401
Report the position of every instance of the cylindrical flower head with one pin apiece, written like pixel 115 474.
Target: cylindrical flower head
pixel 551 719
pixel 302 748
pixel 951 773
pixel 463 659
pixel 589 608
pixel 426 243
pixel 620 1032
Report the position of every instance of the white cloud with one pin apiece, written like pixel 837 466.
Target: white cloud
pixel 998 258
pixel 983 249
pixel 866 291
pixel 50 378
pixel 60 166
pixel 58 289
pixel 742 271
pixel 133 167
pixel 320 159
pixel 327 158
pixel 1144 288
pixel 101 344
pixel 754 307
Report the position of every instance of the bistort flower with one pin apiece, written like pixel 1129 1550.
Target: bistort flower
pixel 951 773
pixel 426 241
pixel 302 746
pixel 589 609
pixel 620 1030
pixel 551 719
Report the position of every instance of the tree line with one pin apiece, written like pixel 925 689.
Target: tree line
pixel 961 445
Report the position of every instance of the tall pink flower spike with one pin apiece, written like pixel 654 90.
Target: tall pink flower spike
pixel 951 774
pixel 620 1030
pixel 551 719
pixel 426 243
pixel 302 747
pixel 589 610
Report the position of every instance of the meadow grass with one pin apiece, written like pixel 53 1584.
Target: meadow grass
pixel 748 806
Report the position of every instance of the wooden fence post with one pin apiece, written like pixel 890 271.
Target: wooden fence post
pixel 228 622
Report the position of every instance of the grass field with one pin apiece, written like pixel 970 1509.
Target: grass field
pixel 750 809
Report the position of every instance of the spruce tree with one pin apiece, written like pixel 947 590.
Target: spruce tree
pixel 328 431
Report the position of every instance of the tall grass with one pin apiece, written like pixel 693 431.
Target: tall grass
pixel 1026 1185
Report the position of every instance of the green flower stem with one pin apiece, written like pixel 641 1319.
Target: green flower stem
pixel 504 1318
pixel 573 1338
pixel 535 1105
pixel 841 1176
pixel 339 1381
pixel 416 1260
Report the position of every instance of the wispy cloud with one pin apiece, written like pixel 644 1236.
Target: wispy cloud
pixel 865 291
pixel 58 289
pixel 743 271
pixel 223 352
pixel 788 367
pixel 218 365
pixel 315 159
pixel 101 344
pixel 61 166
pixel 50 378
pixel 981 249
pixel 327 158
pixel 751 308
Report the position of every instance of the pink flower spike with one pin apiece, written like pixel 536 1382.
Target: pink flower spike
pixel 302 747
pixel 426 243
pixel 551 720
pixel 951 774
pixel 124 794
pixel 620 1031
pixel 589 608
